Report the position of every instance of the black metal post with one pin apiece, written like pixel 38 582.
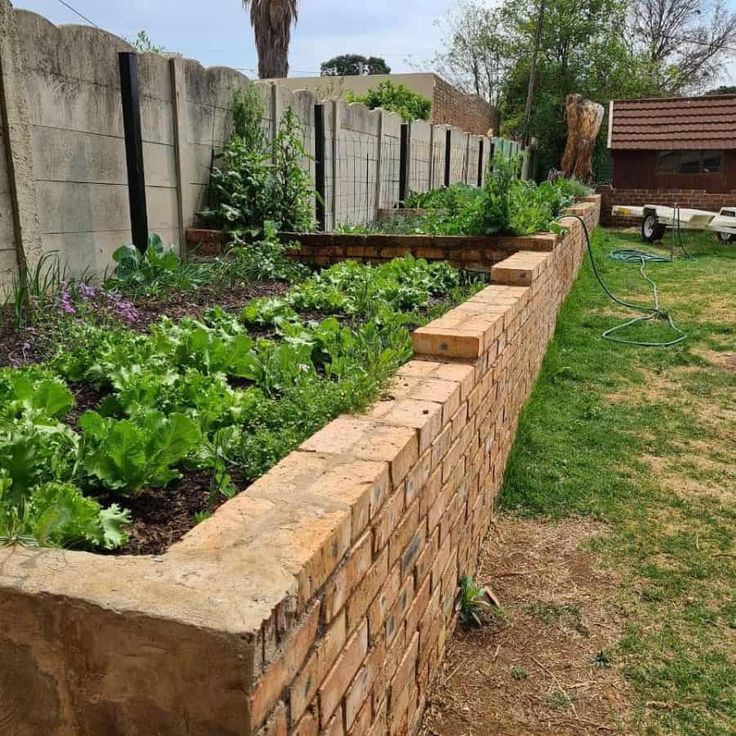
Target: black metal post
pixel 480 162
pixel 134 148
pixel 404 164
pixel 448 156
pixel 319 166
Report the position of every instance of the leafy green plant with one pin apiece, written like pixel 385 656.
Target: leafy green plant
pixel 58 515
pixel 130 453
pixel 154 271
pixel 201 394
pixel 506 205
pixel 291 189
pixel 474 603
pixel 256 183
pixel 395 98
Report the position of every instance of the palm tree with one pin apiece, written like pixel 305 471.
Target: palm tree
pixel 272 21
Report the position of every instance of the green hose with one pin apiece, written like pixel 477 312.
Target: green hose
pixel 649 312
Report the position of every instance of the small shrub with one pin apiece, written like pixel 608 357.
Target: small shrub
pixel 474 603
pixel 395 98
pixel 154 271
pixel 254 182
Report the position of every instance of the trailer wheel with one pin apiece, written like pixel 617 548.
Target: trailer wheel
pixel 726 237
pixel 651 230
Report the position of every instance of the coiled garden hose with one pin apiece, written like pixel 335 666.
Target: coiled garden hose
pixel 649 312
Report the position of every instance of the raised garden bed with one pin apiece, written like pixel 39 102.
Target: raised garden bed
pixel 139 430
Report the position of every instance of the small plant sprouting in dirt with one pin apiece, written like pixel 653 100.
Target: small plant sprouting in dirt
pixel 475 604
pixel 601 659
pixel 559 699
pixel 519 673
pixel 566 616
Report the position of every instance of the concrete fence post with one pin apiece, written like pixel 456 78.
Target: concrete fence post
pixel 335 160
pixel 379 165
pixel 182 160
pixel 430 182
pixel 16 135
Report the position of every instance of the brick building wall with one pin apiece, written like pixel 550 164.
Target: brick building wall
pixel 689 198
pixel 467 112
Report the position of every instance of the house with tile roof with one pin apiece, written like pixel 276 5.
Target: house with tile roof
pixel 679 150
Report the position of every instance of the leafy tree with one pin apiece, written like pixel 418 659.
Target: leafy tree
pixel 478 55
pixel 396 98
pixel 352 65
pixel 272 21
pixel 602 49
pixel 686 42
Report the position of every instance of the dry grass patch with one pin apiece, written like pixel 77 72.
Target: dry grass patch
pixel 545 665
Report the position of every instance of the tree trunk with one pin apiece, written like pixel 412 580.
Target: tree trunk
pixel 584 120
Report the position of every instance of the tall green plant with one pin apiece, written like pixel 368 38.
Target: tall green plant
pixel 248 113
pixel 256 183
pixel 291 189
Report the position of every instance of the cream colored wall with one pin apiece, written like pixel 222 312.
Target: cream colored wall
pixel 337 87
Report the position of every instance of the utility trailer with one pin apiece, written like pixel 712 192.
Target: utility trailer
pixel 655 219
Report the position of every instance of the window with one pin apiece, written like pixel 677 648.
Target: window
pixel 688 162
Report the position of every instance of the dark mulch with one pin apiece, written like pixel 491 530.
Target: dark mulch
pixel 85 397
pixel 195 303
pixel 20 347
pixel 162 516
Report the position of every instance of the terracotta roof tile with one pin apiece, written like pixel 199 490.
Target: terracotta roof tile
pixel 675 123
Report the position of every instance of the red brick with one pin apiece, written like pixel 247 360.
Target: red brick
pixel 280 673
pixel 276 724
pixel 395 617
pixel 387 520
pixel 423 416
pixel 307 726
pixel 426 557
pixel 418 476
pixel 336 683
pixel 305 686
pixel 366 591
pixel 368 440
pixel 358 704
pixel 417 607
pixel 347 577
pixel 335 726
pixel 383 602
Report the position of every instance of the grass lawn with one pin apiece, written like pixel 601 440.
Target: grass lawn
pixel 644 439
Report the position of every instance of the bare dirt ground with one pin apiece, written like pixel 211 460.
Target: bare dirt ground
pixel 543 665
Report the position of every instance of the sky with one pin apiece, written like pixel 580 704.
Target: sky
pixel 218 32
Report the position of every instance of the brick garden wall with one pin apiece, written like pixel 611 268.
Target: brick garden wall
pixel 360 658
pixel 697 199
pixel 320 600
